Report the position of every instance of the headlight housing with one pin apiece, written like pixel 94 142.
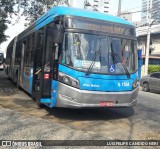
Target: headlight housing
pixel 66 79
pixel 135 84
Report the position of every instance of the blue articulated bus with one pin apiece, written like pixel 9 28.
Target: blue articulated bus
pixel 76 58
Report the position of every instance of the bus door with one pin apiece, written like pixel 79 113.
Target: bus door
pixel 42 65
pixel 46 59
pixel 48 63
pixel 37 64
pixel 22 63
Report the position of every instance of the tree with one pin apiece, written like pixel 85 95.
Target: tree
pixel 31 9
pixel 36 8
pixel 6 9
pixel 3 27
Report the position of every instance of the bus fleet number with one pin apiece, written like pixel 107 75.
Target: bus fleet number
pixel 124 84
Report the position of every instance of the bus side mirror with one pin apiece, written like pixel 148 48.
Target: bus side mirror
pixel 57 33
pixel 56 51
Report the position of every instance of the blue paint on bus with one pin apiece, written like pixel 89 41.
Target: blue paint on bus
pixel 51 102
pixel 57 11
pixel 30 84
pixel 100 82
pixel 27 81
pixel 47 21
pixel 45 100
pixel 54 92
pixel 75 74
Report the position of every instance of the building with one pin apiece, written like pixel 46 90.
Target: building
pixel 154 50
pixel 128 16
pixel 156 10
pixel 154 7
pixel 154 39
pixel 97 5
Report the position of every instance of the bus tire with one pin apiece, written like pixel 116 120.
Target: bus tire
pixel 40 105
pixel 17 83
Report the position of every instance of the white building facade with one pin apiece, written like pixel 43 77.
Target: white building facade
pixel 97 5
pixel 152 6
pixel 154 39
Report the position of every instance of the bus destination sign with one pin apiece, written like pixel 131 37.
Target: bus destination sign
pixel 100 26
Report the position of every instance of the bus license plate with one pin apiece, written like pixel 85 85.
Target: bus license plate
pixel 106 103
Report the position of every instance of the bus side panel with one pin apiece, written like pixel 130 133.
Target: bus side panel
pixel 54 91
pixel 15 73
pixel 96 82
pixel 27 79
pixel 47 21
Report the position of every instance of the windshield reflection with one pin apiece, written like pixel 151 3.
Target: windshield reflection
pixel 80 50
pixel 126 51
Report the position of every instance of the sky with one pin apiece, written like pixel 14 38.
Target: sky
pixel 127 5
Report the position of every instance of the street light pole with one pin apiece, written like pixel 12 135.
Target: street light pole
pixel 119 8
pixel 150 21
pixel 147 50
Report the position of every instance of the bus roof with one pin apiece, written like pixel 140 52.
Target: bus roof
pixel 61 10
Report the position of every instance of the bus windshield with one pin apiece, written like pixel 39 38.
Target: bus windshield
pixel 81 51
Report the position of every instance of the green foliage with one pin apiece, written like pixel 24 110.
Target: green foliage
pixel 31 9
pixel 153 68
pixel 35 8
pixel 3 27
pixel 6 9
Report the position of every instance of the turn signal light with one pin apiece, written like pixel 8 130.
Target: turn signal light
pixel 46 76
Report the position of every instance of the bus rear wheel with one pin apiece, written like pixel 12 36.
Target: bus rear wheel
pixel 17 83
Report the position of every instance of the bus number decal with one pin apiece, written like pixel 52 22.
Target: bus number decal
pixel 123 84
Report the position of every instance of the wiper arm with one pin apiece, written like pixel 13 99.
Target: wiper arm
pixel 117 60
pixel 93 61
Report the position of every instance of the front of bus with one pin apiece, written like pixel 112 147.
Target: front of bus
pixel 98 65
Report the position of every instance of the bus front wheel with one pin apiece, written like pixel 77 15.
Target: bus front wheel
pixel 17 82
pixel 39 104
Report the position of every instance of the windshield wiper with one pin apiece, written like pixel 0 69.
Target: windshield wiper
pixel 118 60
pixel 93 60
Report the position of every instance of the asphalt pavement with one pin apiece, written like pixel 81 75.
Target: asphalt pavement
pixel 20 118
pixel 14 126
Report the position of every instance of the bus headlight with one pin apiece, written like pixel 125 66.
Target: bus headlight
pixel 68 80
pixel 135 84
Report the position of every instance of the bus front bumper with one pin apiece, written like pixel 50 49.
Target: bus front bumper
pixel 70 97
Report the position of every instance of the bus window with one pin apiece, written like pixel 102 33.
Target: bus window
pixel 80 49
pixel 125 50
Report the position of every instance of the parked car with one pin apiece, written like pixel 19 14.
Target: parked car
pixel 151 82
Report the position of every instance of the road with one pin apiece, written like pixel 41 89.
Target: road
pixel 140 122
